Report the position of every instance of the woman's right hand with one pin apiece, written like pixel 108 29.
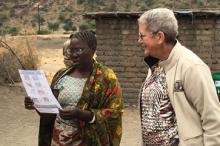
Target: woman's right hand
pixel 28 103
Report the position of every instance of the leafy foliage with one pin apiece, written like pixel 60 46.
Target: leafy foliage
pixel 13 31
pixel 61 17
pixel 53 26
pixel 88 25
pixel 43 31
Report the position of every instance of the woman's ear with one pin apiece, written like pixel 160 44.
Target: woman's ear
pixel 161 37
pixel 94 55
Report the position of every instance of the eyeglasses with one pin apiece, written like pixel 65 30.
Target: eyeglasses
pixel 78 51
pixel 141 36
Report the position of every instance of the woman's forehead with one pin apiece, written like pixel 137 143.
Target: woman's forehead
pixel 77 42
pixel 143 27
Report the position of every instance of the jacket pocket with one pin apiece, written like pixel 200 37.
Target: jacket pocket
pixel 188 119
pixel 194 141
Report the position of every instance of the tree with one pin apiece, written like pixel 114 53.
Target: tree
pixel 53 26
pixel 68 25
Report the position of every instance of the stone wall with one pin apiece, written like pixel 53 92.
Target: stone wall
pixel 118 48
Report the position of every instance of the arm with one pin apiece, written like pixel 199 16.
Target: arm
pixel 200 90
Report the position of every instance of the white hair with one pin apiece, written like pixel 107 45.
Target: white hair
pixel 65 47
pixel 161 19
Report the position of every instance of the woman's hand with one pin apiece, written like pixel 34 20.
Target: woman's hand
pixel 76 113
pixel 68 114
pixel 28 103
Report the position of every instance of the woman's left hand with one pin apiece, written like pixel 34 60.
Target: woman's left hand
pixel 68 114
pixel 76 113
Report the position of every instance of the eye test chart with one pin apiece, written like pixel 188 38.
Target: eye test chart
pixel 38 89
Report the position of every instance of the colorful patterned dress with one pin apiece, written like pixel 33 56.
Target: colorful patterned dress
pixel 102 95
pixel 158 120
pixel 66 132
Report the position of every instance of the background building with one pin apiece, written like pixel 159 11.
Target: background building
pixel 117 34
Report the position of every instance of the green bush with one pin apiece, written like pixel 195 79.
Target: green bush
pixel 42 20
pixel 83 27
pixel 37 19
pixel 73 14
pixel 80 2
pixel 43 31
pixel 53 26
pixel 68 25
pixel 88 25
pixel 69 8
pixel 13 31
pixel 34 22
pixel 199 3
pixel 112 7
pixel 12 13
pixel 61 17
pixel 74 28
pixel 9 30
pixel 3 18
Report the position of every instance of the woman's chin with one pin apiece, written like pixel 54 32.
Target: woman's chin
pixel 146 53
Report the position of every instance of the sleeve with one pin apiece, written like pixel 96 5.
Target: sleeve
pixel 200 90
pixel 109 116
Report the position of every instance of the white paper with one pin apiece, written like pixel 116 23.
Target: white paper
pixel 38 89
pixel 48 110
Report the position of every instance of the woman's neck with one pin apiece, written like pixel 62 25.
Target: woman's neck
pixel 82 72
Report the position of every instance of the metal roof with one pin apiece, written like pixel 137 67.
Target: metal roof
pixel 118 14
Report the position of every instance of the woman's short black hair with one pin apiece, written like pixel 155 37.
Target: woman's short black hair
pixel 86 36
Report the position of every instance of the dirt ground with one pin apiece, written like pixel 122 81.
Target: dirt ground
pixel 19 127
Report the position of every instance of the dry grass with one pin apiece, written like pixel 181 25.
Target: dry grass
pixel 24 57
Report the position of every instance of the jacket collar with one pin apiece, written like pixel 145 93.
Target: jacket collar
pixel 173 58
pixel 150 61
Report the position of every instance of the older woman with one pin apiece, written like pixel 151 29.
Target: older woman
pixel 178 100
pixel 91 98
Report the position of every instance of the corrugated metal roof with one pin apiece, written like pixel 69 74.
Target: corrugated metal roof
pixel 118 14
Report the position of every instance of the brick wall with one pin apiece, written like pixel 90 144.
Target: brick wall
pixel 118 48
pixel 201 35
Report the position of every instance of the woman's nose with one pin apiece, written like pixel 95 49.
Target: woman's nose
pixel 140 41
pixel 74 54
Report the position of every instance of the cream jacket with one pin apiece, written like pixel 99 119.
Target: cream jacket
pixel 193 96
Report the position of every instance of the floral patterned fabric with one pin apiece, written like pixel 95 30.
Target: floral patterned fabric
pixel 65 132
pixel 102 95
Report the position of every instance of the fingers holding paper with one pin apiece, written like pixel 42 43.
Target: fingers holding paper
pixel 28 103
pixel 68 114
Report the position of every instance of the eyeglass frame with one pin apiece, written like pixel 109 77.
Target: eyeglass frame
pixel 71 51
pixel 141 36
